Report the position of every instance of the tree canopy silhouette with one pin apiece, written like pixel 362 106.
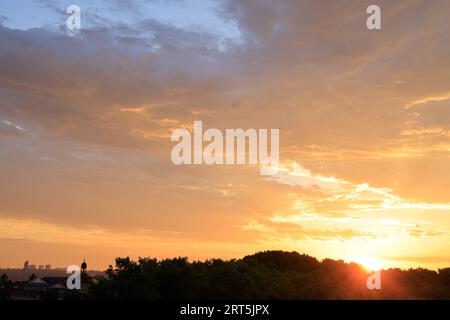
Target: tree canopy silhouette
pixel 264 275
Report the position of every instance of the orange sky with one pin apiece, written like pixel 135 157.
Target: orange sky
pixel 364 119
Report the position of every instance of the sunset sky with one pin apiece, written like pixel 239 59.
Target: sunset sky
pixel 86 119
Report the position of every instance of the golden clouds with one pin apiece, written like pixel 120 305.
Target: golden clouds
pixel 374 174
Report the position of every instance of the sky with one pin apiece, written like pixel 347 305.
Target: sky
pixel 86 119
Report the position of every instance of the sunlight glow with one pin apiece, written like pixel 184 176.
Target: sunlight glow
pixel 369 263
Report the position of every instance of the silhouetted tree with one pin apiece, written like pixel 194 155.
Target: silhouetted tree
pixel 4 279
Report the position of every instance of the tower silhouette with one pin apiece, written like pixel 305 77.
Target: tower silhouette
pixel 83 267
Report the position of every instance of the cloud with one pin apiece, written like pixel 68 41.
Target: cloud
pixel 278 230
pixel 98 108
pixel 8 127
pixel 329 208
pixel 3 19
pixel 420 259
pixel 433 113
pixel 341 194
pixel 418 231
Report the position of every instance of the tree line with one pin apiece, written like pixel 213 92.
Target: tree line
pixel 264 275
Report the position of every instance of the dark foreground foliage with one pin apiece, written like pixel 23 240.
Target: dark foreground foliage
pixel 265 275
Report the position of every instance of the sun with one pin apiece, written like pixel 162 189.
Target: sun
pixel 369 263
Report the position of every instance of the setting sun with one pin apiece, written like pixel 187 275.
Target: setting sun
pixel 369 263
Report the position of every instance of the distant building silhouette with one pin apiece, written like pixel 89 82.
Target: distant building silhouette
pixel 45 283
pixel 25 271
